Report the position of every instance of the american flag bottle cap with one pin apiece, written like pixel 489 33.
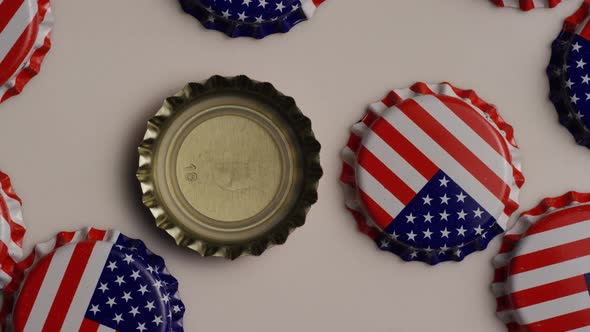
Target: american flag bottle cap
pixel 431 173
pixel 25 27
pixel 92 280
pixel 229 167
pixel 250 18
pixel 542 272
pixel 569 75
pixel 12 230
pixel 527 5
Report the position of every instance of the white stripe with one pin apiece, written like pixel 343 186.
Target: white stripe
pixel 378 108
pixel 378 193
pixel 548 274
pixel 14 208
pixel 444 161
pixel 359 129
pixel 581 329
pixel 49 288
pixel 386 154
pixel 87 285
pixel 17 25
pixel 14 250
pixel 554 237
pixel 308 7
pixel 5 279
pixel 474 143
pixel 553 308
pixel 348 156
pixel 103 328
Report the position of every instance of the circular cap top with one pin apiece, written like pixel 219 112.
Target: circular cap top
pixel 543 271
pixel 24 40
pixel 251 18
pixel 434 173
pixel 228 166
pixel 113 283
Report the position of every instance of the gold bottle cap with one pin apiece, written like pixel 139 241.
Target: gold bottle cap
pixel 229 167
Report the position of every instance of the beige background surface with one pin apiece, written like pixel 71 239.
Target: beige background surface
pixel 69 141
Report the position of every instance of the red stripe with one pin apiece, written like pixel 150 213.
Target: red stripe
pixel 7 187
pixel 577 18
pixel 567 322
pixel 560 219
pixel 405 149
pixel 89 326
pixel 19 51
pixel 385 176
pixel 318 2
pixel 68 286
pixel 549 292
pixel 550 256
pixel 527 4
pixel 499 3
pixel 379 216
pixel 29 292
pixel 8 8
pixel 96 234
pixel 369 118
pixel 348 175
pixel 553 3
pixel 456 149
pixel 391 99
pixel 16 231
pixel 353 142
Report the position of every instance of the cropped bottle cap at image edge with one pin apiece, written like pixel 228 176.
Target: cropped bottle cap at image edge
pixel 431 173
pixel 569 75
pixel 542 272
pixel 25 28
pixel 229 167
pixel 527 5
pixel 92 280
pixel 251 18
pixel 12 231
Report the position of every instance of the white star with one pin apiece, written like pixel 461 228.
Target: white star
pixel 580 64
pixel 445 199
pixel 246 2
pixel 384 244
pixel 166 298
pixel 461 197
pixel 262 3
pixel 112 266
pixel 414 254
pixel 462 214
pixel 157 320
pixel 143 289
pixel 176 308
pixel 242 16
pixel 428 217
pixel 394 236
pixel 95 309
pixel 427 234
pixel 127 296
pixel 411 235
pixel 427 199
pixel 128 259
pixel 211 19
pixel 428 249
pixel 120 247
pixel 576 47
pixel 458 252
pixel 225 14
pixel 135 275
pixel 478 213
pixel 445 233
pixel 103 287
pixel 158 284
pixel 294 7
pixel 134 311
pixel 443 249
pixel 566 67
pixel 141 327
pixel 111 302
pixel 119 280
pixel 586 79
pixel 478 230
pixel 569 83
pixel 259 19
pixel 150 306
pixel 118 318
pixel 461 231
pixel 150 269
pixel 443 182
pixel 579 115
pixel 574 99
pixel 280 6
pixel 410 218
pixel 444 215
pixel 588 96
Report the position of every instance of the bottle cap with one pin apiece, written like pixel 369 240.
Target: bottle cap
pixel 569 75
pixel 527 5
pixel 229 167
pixel 93 280
pixel 12 230
pixel 542 275
pixel 25 27
pixel 432 173
pixel 251 18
